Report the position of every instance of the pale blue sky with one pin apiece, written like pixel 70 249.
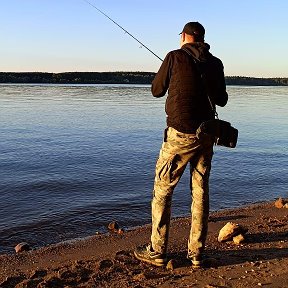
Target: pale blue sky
pixel 250 37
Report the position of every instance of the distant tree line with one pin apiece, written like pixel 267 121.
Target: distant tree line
pixel 118 78
pixel 78 77
pixel 252 81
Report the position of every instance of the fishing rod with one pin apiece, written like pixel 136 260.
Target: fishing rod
pixel 92 5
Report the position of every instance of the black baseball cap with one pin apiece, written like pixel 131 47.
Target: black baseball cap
pixel 194 28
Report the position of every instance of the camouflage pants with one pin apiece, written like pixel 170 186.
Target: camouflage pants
pixel 179 149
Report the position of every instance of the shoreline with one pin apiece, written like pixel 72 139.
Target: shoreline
pixel 126 229
pixel 106 260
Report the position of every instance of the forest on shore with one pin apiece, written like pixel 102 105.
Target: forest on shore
pixel 118 78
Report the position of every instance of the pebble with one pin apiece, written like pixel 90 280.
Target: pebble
pixel 23 246
pixel 113 226
pixel 279 203
pixel 120 231
pixel 170 265
pixel 238 239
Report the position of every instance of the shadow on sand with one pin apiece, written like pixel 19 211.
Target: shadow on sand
pixel 239 255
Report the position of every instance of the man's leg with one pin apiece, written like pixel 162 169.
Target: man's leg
pixel 169 169
pixel 175 153
pixel 200 172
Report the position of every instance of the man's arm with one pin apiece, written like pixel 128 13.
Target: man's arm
pixel 161 81
pixel 216 87
pixel 222 96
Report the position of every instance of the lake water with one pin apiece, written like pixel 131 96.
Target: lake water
pixel 74 158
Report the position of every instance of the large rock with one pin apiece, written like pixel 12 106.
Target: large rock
pixel 230 230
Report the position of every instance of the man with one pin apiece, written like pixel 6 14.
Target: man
pixel 190 74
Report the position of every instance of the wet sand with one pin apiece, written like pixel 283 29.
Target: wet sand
pixel 108 261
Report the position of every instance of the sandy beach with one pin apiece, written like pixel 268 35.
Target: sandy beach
pixel 107 260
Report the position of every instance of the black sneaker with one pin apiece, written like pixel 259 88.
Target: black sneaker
pixel 146 254
pixel 197 261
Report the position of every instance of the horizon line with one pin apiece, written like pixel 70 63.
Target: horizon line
pixel 261 77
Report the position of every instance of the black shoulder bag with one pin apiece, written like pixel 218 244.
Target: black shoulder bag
pixel 222 131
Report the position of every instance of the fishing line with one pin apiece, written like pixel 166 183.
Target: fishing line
pixel 92 5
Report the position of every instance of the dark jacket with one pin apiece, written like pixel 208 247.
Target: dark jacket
pixel 188 84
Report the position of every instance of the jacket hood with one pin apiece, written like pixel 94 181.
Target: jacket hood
pixel 199 50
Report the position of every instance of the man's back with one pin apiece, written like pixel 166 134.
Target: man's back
pixel 187 104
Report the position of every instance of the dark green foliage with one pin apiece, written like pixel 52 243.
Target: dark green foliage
pixel 78 77
pixel 252 81
pixel 119 78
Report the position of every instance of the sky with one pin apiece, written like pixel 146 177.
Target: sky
pixel 249 36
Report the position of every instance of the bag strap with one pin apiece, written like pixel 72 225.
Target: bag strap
pixel 196 61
